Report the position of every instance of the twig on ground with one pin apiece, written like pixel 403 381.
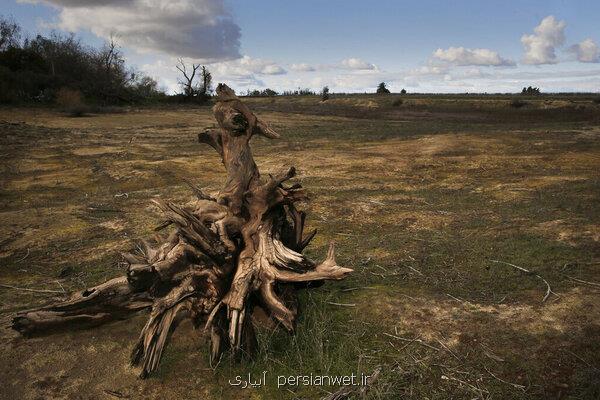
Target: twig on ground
pixel 582 281
pixel 414 269
pixel 421 342
pixel 32 290
pixel 407 296
pixel 528 272
pixel 457 298
pixel 581 359
pixel 26 255
pixel 357 288
pixel 342 304
pixel 447 349
pixel 116 394
pixel 472 387
pixel 490 354
pixel 515 385
pixel 61 286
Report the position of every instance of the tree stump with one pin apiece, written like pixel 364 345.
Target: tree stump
pixel 226 260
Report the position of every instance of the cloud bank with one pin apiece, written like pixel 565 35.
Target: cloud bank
pixel 199 29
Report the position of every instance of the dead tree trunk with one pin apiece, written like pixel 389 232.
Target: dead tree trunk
pixel 227 258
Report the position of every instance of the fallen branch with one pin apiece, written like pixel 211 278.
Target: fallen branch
pixel 528 272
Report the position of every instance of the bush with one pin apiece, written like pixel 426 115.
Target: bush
pixel 516 103
pixel 382 89
pixel 70 101
pixel 397 102
pixel 325 94
pixel 403 91
pixel 531 90
pixel 36 68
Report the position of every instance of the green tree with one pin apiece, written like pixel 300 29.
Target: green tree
pixel 382 89
pixel 325 93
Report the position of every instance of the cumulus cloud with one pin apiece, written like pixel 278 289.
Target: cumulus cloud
pixel 257 66
pixel 541 45
pixel 463 56
pixel 357 63
pixel 302 67
pixel 586 51
pixel 199 29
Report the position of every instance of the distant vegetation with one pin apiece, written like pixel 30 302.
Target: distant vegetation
pixel 531 90
pixel 299 92
pixel 261 93
pixel 35 70
pixel 325 94
pixel 59 69
pixel 382 89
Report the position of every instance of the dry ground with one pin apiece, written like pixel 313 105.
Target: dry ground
pixel 420 198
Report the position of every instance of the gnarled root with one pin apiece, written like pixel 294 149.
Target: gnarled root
pixel 229 258
pixel 93 306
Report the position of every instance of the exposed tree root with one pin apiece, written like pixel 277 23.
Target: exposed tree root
pixel 227 261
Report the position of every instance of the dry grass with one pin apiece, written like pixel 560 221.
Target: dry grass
pixel 419 198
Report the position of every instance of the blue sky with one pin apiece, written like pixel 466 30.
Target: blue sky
pixel 424 46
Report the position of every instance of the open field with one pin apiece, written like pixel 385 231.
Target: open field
pixel 427 199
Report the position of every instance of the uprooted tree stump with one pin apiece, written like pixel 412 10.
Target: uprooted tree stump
pixel 228 260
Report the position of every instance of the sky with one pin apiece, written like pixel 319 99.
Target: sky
pixel 350 46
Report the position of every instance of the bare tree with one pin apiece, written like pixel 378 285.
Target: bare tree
pixel 187 83
pixel 10 33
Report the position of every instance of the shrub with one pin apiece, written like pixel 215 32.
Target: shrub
pixel 531 90
pixel 403 91
pixel 325 94
pixel 397 102
pixel 516 103
pixel 381 89
pixel 70 101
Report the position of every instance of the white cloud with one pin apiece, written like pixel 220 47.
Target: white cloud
pixel 199 29
pixel 586 51
pixel 463 56
pixel 428 70
pixel 541 45
pixel 302 67
pixel 256 66
pixel 357 63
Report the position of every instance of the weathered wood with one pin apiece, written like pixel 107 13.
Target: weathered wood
pixel 228 260
pixel 93 306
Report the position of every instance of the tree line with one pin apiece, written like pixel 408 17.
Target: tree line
pixel 59 69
